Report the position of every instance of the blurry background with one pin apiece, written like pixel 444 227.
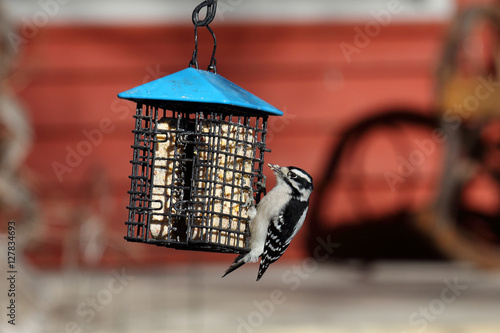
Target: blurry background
pixel 329 65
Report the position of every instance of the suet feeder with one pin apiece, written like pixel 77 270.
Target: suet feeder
pixel 198 157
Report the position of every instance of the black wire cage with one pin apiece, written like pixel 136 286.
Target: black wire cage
pixel 199 144
pixel 197 167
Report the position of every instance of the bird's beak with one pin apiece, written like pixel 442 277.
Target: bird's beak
pixel 274 167
pixel 277 169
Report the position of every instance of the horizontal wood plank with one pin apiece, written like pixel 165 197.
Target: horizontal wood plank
pixel 68 78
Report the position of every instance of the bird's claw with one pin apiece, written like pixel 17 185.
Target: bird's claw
pixel 262 183
pixel 249 203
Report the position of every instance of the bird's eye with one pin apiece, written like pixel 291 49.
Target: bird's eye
pixel 292 175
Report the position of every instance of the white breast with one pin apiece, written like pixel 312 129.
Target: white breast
pixel 269 207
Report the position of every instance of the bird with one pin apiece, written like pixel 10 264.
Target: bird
pixel 277 218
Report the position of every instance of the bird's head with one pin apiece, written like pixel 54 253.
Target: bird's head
pixel 299 181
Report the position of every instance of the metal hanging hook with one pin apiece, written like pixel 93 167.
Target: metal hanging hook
pixel 211 10
pixel 211 6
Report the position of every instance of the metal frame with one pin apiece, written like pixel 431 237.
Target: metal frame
pixel 190 219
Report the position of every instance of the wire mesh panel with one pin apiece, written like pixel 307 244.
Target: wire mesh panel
pixel 194 176
pixel 170 174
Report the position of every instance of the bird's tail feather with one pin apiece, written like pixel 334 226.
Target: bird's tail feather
pixel 238 262
pixel 262 269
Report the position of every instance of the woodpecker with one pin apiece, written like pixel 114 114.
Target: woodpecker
pixel 277 218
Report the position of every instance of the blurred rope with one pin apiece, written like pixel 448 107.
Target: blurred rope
pixel 16 136
pixel 16 200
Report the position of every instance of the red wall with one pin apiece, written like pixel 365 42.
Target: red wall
pixel 68 78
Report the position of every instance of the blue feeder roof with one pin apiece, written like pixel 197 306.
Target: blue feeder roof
pixel 198 86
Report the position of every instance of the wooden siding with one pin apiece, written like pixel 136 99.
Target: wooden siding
pixel 68 78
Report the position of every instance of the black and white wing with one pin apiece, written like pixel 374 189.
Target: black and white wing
pixel 281 231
